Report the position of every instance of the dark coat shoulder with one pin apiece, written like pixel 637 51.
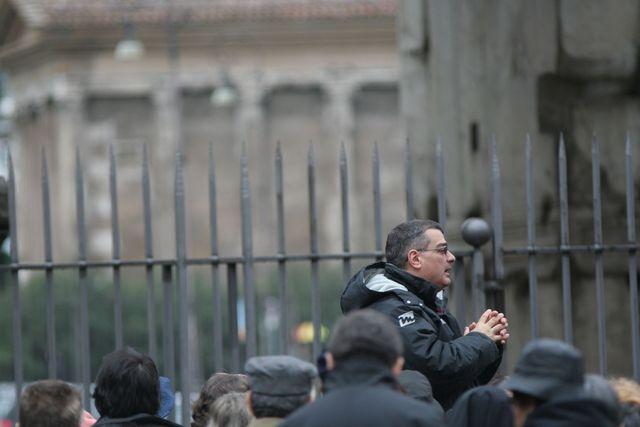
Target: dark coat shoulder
pixel 138 420
pixel 365 406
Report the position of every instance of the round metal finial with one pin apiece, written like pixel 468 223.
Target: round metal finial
pixel 475 231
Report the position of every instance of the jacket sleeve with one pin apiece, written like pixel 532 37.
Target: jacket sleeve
pixel 487 374
pixel 459 360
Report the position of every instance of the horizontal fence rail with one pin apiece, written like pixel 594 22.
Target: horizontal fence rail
pixel 174 271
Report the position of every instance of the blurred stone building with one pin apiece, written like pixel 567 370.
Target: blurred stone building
pixel 329 71
pixel 196 72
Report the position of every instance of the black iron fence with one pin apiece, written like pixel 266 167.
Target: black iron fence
pixel 174 270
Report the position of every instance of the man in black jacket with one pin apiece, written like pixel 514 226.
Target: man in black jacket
pixel 409 289
pixel 364 357
pixel 127 391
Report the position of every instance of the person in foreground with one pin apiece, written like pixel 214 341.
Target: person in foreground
pixel 127 391
pixel 230 410
pixel 484 406
pixel 279 386
pixel 628 392
pixel 50 403
pixel 364 356
pixel 409 288
pixel 216 386
pixel 548 389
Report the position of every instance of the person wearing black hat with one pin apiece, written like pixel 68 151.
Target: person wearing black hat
pixel 410 289
pixel 364 358
pixel 548 388
pixel 278 386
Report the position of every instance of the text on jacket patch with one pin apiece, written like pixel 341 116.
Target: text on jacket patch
pixel 406 319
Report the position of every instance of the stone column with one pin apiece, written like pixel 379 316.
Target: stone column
pixel 249 117
pixel 340 122
pixel 69 124
pixel 162 155
pixel 340 112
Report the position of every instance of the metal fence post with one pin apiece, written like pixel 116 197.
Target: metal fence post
pixel 477 232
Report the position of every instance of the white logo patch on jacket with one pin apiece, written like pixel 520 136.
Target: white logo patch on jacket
pixel 406 319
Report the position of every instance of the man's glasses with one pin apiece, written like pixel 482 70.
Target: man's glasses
pixel 442 250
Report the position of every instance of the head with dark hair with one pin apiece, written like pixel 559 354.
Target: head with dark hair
pixel 50 403
pixel 406 236
pixel 231 410
pixel 415 384
pixel 365 333
pixel 485 406
pixel 216 386
pixel 523 404
pixel 127 384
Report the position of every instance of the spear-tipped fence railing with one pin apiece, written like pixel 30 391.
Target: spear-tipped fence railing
pixel 174 270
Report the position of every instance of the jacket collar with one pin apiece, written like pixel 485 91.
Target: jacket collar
pixel 424 290
pixel 359 371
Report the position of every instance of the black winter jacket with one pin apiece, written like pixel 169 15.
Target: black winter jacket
pixel 138 420
pixel 570 412
pixel 363 392
pixel 433 341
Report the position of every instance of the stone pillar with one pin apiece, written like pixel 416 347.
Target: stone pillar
pixel 68 111
pixel 340 113
pixel 162 155
pixel 413 31
pixel 340 122
pixel 249 117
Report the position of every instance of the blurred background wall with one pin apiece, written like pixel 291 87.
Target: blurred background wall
pixel 474 70
pixel 190 73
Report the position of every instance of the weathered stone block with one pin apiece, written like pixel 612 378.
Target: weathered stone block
pixel 597 39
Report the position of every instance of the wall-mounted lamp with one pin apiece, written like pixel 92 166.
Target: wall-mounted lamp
pixel 225 95
pixel 130 47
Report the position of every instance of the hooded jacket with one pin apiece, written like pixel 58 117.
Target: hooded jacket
pixel 361 391
pixel 139 420
pixel 433 341
pixel 484 406
pixel 570 412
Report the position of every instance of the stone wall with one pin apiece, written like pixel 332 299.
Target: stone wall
pixel 471 70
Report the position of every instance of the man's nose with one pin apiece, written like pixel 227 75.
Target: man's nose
pixel 450 257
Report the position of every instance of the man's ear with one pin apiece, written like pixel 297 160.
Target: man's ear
pixel 397 367
pixel 249 403
pixel 413 259
pixel 331 363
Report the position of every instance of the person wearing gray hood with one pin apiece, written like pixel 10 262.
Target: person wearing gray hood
pixel 409 288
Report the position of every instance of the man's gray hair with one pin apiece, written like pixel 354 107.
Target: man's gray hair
pixel 406 236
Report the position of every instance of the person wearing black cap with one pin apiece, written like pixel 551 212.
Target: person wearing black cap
pixel 548 388
pixel 364 358
pixel 278 386
pixel 410 289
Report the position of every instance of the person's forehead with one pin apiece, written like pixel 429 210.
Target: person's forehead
pixel 435 237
